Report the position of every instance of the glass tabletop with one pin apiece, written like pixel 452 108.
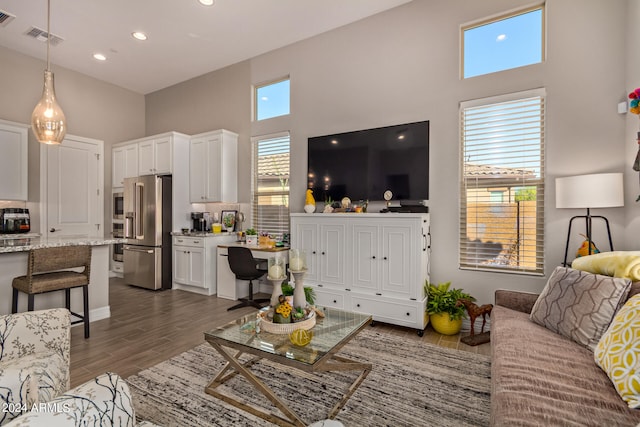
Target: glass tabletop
pixel 336 328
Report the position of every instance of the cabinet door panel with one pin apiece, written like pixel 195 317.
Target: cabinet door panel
pixel 117 169
pixel 364 257
pixel 13 162
pixel 197 170
pixel 305 237
pixel 332 253
pixel 163 156
pixel 214 168
pixel 146 157
pixel 196 267
pixel 180 265
pixel 130 161
pixel 397 265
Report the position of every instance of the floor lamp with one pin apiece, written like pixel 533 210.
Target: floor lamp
pixel 603 190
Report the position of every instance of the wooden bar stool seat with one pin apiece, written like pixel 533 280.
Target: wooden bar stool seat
pixel 48 270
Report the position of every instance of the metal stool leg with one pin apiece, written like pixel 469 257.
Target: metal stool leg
pixel 85 297
pixel 67 298
pixel 14 301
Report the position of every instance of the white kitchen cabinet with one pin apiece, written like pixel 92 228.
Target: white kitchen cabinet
pixel 155 156
pixel 213 161
pixel 194 262
pixel 124 164
pixel 369 263
pixel 14 161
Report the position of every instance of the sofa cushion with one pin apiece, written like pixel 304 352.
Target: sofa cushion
pixel 618 352
pixel 30 380
pixel 579 305
pixel 103 401
pixel 540 378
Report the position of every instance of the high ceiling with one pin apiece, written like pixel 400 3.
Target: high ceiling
pixel 185 39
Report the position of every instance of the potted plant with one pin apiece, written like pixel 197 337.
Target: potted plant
pixel 444 312
pixel 252 236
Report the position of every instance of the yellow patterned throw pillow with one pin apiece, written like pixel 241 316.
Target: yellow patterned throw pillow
pixel 618 352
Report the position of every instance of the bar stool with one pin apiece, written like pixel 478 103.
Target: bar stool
pixel 48 271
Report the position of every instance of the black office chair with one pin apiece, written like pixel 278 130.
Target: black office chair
pixel 245 267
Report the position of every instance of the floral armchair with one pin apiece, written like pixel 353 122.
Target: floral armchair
pixel 34 377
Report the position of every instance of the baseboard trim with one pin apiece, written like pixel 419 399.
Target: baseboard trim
pixel 96 314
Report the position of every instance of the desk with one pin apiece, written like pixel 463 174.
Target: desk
pixel 228 286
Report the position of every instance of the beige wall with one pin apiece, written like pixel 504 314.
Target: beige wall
pixel 402 66
pixel 93 108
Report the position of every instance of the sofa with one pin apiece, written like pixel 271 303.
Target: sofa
pixel 542 378
pixel 34 377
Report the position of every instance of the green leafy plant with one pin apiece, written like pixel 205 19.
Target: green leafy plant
pixel 251 232
pixel 441 299
pixel 309 293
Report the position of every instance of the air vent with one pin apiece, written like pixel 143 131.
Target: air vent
pixel 5 18
pixel 41 35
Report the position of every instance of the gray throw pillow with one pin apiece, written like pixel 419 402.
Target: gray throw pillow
pixel 579 305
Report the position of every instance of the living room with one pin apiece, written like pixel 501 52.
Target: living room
pixel 399 66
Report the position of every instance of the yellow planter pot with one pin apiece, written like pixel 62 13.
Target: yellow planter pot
pixel 443 324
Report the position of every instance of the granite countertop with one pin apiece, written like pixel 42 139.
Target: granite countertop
pixel 24 243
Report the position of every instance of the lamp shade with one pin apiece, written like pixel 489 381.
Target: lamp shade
pixel 602 190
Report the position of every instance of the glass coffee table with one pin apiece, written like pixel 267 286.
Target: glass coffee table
pixel 330 334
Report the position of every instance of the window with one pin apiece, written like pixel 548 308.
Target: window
pixel 502 151
pixel 270 187
pixel 272 100
pixel 502 43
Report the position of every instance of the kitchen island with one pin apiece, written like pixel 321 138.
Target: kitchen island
pixel 14 251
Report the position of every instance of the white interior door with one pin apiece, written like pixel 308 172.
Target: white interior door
pixel 73 196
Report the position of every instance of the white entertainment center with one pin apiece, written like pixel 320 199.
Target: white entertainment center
pixel 374 263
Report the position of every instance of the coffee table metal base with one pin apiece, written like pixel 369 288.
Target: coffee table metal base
pixel 234 366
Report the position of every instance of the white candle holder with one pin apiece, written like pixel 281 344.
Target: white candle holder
pixel 275 275
pixel 297 260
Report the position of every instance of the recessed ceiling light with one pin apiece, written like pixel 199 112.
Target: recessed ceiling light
pixel 501 37
pixel 206 2
pixel 99 57
pixel 139 35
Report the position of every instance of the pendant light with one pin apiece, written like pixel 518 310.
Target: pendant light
pixel 47 120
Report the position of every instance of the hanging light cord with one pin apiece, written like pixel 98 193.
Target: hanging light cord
pixel 48 31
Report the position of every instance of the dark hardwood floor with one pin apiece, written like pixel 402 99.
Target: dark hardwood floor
pixel 147 327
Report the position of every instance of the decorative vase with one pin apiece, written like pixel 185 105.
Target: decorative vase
pixel 443 324
pixel 299 299
pixel 252 239
pixel 309 208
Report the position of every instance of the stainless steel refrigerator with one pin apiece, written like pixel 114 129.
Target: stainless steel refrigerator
pixel 147 228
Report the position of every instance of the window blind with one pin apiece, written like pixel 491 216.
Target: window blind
pixel 502 183
pixel 270 187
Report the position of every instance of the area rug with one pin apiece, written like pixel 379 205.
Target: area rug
pixel 412 383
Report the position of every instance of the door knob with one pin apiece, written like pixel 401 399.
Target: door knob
pixel 53 230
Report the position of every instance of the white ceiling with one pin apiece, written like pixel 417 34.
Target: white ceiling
pixel 186 39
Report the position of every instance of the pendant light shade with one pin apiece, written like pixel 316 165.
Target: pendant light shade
pixel 47 120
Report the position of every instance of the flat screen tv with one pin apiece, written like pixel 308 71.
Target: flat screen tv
pixel 363 164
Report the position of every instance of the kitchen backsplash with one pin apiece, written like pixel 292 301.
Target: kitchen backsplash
pixel 12 204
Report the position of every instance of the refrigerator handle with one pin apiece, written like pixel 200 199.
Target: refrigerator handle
pixel 139 218
pixel 128 225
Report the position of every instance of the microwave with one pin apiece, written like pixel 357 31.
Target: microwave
pixel 118 205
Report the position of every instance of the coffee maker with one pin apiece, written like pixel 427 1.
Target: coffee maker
pixel 201 221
